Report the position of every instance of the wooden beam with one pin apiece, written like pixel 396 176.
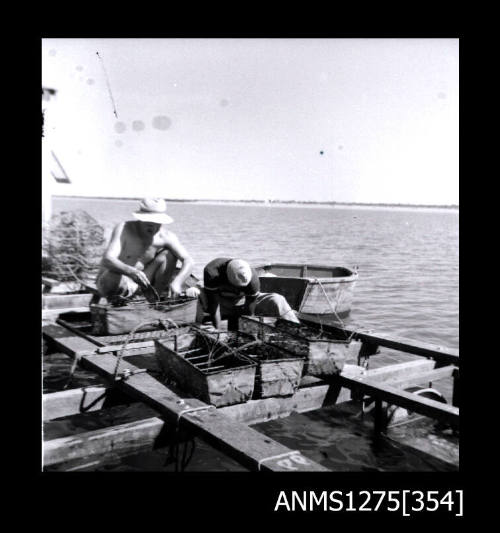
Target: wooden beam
pixel 50 282
pixel 442 372
pixel 439 353
pixel 400 371
pixel 64 301
pixel 125 439
pixel 456 388
pixel 67 342
pixel 132 345
pixel 305 399
pixel 247 446
pixel 390 394
pixel 75 401
pixel 134 348
pixel 77 329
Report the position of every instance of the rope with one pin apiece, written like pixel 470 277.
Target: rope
pixel 192 410
pixel 334 310
pixel 76 360
pixel 130 336
pixel 356 330
pixel 175 446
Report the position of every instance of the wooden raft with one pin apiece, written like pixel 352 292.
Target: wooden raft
pixel 247 446
pixel 383 383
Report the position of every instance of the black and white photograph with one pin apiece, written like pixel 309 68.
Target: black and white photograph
pixel 250 258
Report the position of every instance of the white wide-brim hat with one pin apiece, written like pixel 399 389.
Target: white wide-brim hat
pixel 239 273
pixel 153 210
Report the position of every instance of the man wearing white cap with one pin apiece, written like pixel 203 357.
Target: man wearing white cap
pixel 142 254
pixel 232 288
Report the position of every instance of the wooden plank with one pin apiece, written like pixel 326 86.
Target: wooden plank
pixel 64 301
pixel 247 446
pixel 50 282
pixel 67 342
pixel 130 345
pixel 400 371
pixel 442 372
pixel 439 353
pixel 306 399
pixel 134 348
pixel 80 333
pixel 125 438
pixel 82 400
pixel 73 401
pixel 419 404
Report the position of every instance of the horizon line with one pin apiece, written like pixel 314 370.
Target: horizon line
pixel 252 201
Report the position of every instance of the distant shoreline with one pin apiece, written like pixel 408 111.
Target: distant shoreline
pixel 271 202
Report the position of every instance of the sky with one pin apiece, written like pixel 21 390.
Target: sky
pixel 347 120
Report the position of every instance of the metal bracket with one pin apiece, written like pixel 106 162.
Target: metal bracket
pixel 126 373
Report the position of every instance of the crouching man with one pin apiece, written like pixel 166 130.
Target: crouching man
pixel 232 288
pixel 142 255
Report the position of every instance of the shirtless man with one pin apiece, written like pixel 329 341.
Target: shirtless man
pixel 142 254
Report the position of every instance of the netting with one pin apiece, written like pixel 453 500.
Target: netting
pixel 72 246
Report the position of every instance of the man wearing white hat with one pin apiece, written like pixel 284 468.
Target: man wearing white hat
pixel 232 288
pixel 142 254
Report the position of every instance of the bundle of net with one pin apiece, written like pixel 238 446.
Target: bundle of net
pixel 72 246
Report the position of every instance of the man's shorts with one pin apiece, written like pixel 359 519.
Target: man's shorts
pixel 127 287
pixel 266 304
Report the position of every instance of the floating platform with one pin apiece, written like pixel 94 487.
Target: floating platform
pixel 362 379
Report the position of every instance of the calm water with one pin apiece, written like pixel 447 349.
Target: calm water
pixel 408 281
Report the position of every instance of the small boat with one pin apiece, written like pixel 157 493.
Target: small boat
pixel 311 289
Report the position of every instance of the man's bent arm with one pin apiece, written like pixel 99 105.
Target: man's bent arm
pixel 250 302
pixel 181 253
pixel 213 308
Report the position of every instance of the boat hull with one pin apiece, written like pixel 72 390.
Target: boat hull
pixel 311 289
